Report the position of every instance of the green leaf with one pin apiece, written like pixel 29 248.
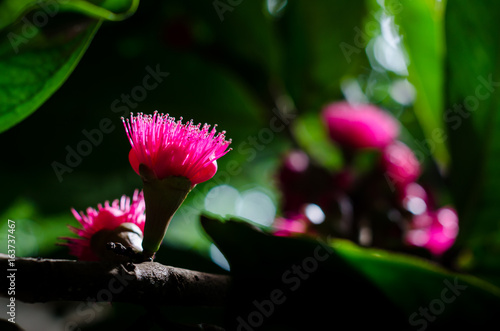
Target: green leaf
pixel 312 136
pixel 413 282
pixel 113 10
pixel 34 66
pixel 39 49
pixel 361 287
pixel 473 101
pixel 422 26
pixel 12 10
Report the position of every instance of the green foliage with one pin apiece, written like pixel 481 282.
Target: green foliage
pixel 312 137
pixel 14 10
pixel 473 100
pixel 31 75
pixel 421 23
pixel 38 55
pixel 386 288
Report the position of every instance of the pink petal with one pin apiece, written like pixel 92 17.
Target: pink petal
pixel 205 173
pixel 134 161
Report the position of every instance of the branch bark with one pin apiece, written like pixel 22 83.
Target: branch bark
pixel 42 280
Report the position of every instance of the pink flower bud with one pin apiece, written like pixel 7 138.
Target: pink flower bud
pixel 400 164
pixel 435 231
pixel 360 125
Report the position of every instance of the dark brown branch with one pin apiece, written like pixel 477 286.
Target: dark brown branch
pixel 42 280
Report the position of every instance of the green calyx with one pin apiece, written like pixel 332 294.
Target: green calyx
pixel 162 197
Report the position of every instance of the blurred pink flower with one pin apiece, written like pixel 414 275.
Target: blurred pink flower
pixel 170 148
pixel 296 161
pixel 301 182
pixel 400 164
pixel 107 217
pixel 286 227
pixel 435 231
pixel 360 125
pixel 414 199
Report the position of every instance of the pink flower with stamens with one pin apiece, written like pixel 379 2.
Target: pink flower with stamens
pixel 108 217
pixel 169 148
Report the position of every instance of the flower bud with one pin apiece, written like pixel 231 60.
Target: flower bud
pixel 435 231
pixel 357 126
pixel 400 164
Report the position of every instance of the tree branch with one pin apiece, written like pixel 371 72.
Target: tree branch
pixel 42 280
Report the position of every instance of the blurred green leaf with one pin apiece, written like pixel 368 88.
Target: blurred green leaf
pixel 114 10
pixel 12 10
pixel 39 51
pixel 33 67
pixel 413 282
pixel 471 116
pixel 312 136
pixel 385 288
pixel 111 10
pixel 36 235
pixel 322 42
pixel 422 28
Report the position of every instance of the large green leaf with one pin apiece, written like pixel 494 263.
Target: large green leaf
pixel 473 102
pixel 34 68
pixel 422 26
pixel 39 48
pixel 343 285
pixel 413 282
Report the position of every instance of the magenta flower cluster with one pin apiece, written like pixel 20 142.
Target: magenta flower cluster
pixel 384 206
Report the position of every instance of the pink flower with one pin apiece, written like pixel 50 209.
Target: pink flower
pixel 296 161
pixel 360 126
pixel 414 198
pixel 435 231
pixel 287 227
pixel 107 217
pixel 400 164
pixel 171 159
pixel 170 148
